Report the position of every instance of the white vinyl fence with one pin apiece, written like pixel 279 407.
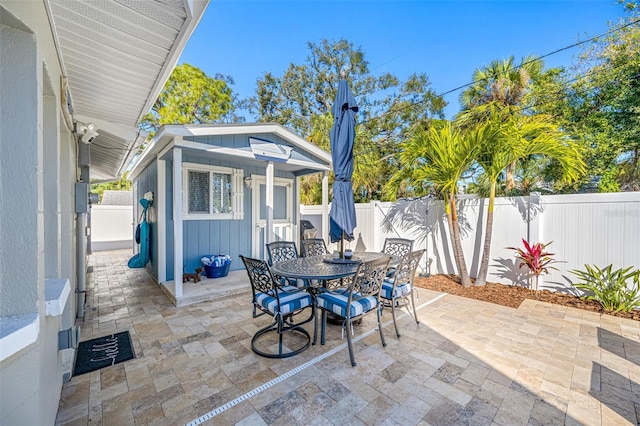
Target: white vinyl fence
pixel 111 227
pixel 595 229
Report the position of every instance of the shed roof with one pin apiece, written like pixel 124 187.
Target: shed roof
pixel 309 159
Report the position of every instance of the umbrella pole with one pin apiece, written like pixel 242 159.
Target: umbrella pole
pixel 342 245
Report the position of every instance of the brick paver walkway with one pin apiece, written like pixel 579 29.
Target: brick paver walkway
pixel 468 362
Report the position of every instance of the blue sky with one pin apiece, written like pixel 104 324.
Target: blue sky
pixel 447 40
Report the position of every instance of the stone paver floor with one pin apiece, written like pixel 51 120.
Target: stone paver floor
pixel 466 363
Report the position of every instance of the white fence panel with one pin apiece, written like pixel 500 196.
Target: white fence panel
pixel 111 227
pixel 598 229
pixel 595 229
pixel 512 218
pixel 364 238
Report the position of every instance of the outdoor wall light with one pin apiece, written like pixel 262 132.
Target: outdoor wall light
pixel 248 181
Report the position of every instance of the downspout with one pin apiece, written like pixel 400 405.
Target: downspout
pixel 82 208
pixel 81 262
pixel 82 204
pixel 84 199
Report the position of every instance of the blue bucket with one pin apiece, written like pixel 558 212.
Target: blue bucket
pixel 219 266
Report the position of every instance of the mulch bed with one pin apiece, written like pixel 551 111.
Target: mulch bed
pixel 512 296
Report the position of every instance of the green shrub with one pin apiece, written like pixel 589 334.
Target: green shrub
pixel 616 291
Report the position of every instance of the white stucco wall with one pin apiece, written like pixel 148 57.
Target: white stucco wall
pixel 19 170
pixel 37 171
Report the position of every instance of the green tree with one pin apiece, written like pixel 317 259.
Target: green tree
pixel 191 97
pixel 302 97
pixel 503 84
pixel 597 103
pixel 120 185
pixel 515 138
pixel 437 157
pixel 612 96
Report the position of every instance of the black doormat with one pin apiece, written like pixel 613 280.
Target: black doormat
pixel 102 352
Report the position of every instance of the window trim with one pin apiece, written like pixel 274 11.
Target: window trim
pixel 237 193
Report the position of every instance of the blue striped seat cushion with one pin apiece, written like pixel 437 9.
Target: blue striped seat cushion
pixel 342 290
pixel 291 281
pixel 387 287
pixel 289 302
pixel 337 303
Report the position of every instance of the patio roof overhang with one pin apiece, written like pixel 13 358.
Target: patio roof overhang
pixel 116 57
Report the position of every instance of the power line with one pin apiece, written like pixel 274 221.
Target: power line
pixel 546 55
pixel 413 104
pixel 561 92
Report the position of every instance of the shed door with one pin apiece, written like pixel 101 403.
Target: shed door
pixel 282 213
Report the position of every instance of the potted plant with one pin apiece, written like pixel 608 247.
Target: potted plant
pixel 535 258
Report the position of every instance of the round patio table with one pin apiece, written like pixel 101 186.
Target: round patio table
pixel 324 268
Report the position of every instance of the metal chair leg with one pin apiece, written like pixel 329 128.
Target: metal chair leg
pixel 353 360
pixel 315 321
pixel 413 305
pixel 384 343
pixel 274 328
pixel 393 314
pixel 323 326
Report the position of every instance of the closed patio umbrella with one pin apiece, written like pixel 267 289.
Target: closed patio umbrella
pixel 342 217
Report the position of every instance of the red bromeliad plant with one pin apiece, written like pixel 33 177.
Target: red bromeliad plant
pixel 535 258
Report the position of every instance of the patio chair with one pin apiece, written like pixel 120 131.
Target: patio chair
pixel 396 247
pixel 283 303
pixel 313 247
pixel 280 251
pixel 317 247
pixel 361 298
pixel 397 289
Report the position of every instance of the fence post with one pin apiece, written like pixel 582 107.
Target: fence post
pixel 534 219
pixel 377 221
pixel 534 224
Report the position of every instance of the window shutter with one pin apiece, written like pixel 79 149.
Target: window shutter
pixel 238 194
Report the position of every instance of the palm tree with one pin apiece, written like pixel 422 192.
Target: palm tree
pixel 439 156
pixel 513 139
pixel 502 83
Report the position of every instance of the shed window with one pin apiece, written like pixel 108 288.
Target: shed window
pixel 212 192
pixel 221 192
pixel 198 192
